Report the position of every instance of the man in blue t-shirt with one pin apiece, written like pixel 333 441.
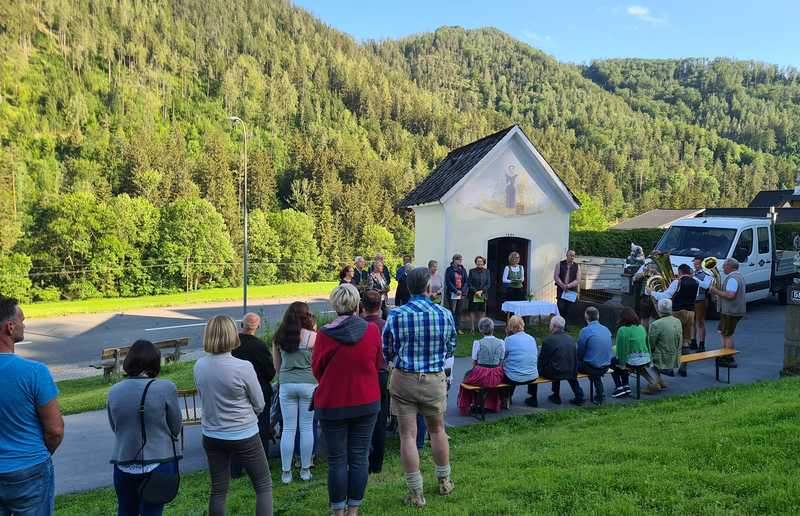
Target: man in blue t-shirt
pixel 31 426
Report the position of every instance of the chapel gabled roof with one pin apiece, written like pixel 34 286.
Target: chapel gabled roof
pixel 459 162
pixel 452 169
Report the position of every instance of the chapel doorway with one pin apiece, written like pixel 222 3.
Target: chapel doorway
pixel 497 253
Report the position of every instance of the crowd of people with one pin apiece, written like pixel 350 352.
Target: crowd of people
pixel 346 377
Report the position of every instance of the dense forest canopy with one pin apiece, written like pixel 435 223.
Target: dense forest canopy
pixel 120 173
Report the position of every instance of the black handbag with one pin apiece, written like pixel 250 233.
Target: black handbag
pixel 157 488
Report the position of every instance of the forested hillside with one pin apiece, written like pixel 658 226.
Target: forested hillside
pixel 632 161
pixel 120 173
pixel 755 104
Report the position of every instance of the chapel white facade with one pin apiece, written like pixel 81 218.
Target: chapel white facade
pixel 491 197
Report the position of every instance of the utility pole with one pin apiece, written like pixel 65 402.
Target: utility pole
pixel 235 120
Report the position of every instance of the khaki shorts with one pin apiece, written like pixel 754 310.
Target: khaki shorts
pixel 412 393
pixel 727 324
pixel 700 311
pixel 686 317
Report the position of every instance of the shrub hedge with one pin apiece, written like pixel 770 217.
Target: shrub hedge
pixel 616 244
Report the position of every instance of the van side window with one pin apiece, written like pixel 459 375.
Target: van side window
pixel 744 247
pixel 763 240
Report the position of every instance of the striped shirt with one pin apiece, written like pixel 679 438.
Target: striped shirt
pixel 419 336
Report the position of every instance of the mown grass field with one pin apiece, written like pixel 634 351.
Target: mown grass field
pixel 725 451
pixel 85 394
pixel 215 295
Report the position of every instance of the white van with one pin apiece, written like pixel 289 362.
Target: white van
pixel 751 241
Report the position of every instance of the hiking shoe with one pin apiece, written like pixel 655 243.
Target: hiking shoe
pixel 668 372
pixel 445 486
pixel 286 477
pixel 576 401
pixel 531 401
pixel 415 498
pixel 305 474
pixel 554 399
pixel 652 389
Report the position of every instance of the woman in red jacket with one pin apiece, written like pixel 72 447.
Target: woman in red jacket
pixel 345 362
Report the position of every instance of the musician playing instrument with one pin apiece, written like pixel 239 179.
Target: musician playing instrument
pixel 683 293
pixel 700 304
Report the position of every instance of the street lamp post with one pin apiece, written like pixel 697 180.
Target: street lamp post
pixel 235 120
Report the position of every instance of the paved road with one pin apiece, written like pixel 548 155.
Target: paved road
pixel 88 442
pixel 69 344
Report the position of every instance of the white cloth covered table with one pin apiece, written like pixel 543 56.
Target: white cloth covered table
pixel 530 308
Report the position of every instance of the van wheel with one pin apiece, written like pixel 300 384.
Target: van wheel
pixel 783 297
pixel 712 314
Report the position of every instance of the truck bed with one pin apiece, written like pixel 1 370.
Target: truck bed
pixel 784 265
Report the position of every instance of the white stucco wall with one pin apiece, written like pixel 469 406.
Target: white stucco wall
pixel 479 211
pixel 429 235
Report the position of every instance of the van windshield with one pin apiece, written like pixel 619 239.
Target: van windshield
pixel 694 241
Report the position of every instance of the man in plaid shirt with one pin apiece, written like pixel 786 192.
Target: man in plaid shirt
pixel 418 337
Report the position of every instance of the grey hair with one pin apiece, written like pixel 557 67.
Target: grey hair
pixel 359 259
pixel 558 321
pixel 344 299
pixel 733 263
pixel 592 314
pixel 665 306
pixel 418 280
pixel 486 326
pixel 432 263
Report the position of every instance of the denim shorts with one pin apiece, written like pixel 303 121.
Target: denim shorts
pixel 29 491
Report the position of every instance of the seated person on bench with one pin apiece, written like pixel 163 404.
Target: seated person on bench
pixel 632 352
pixel 519 364
pixel 557 361
pixel 487 370
pixel 665 336
pixel 594 351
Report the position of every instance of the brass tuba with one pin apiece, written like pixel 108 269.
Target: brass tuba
pixel 709 266
pixel 660 282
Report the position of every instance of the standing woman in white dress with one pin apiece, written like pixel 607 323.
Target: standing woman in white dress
pixel 514 279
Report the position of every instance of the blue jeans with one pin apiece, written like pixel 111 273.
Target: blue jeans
pixel 348 458
pixel 28 492
pixel 422 429
pixel 127 487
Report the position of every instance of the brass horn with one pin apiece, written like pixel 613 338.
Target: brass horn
pixel 709 266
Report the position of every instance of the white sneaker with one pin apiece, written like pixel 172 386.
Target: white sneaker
pixel 286 476
pixel 305 474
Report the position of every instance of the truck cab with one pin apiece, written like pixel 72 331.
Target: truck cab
pixel 751 241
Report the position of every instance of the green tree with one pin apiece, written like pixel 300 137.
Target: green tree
pixel 14 280
pixel 300 255
pixel 377 239
pixel 590 216
pixel 265 252
pixel 194 245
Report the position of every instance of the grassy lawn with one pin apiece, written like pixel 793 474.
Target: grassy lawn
pixel 85 394
pixel 216 295
pixel 539 331
pixel 727 451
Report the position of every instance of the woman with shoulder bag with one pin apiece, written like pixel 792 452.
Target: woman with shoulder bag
pixel 146 420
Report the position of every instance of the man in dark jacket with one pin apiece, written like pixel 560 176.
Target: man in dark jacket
pixel 253 350
pixel 557 361
pixel 371 304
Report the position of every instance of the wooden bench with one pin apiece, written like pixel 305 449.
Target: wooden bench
pixel 480 392
pixel 111 358
pixel 695 357
pixel 190 412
